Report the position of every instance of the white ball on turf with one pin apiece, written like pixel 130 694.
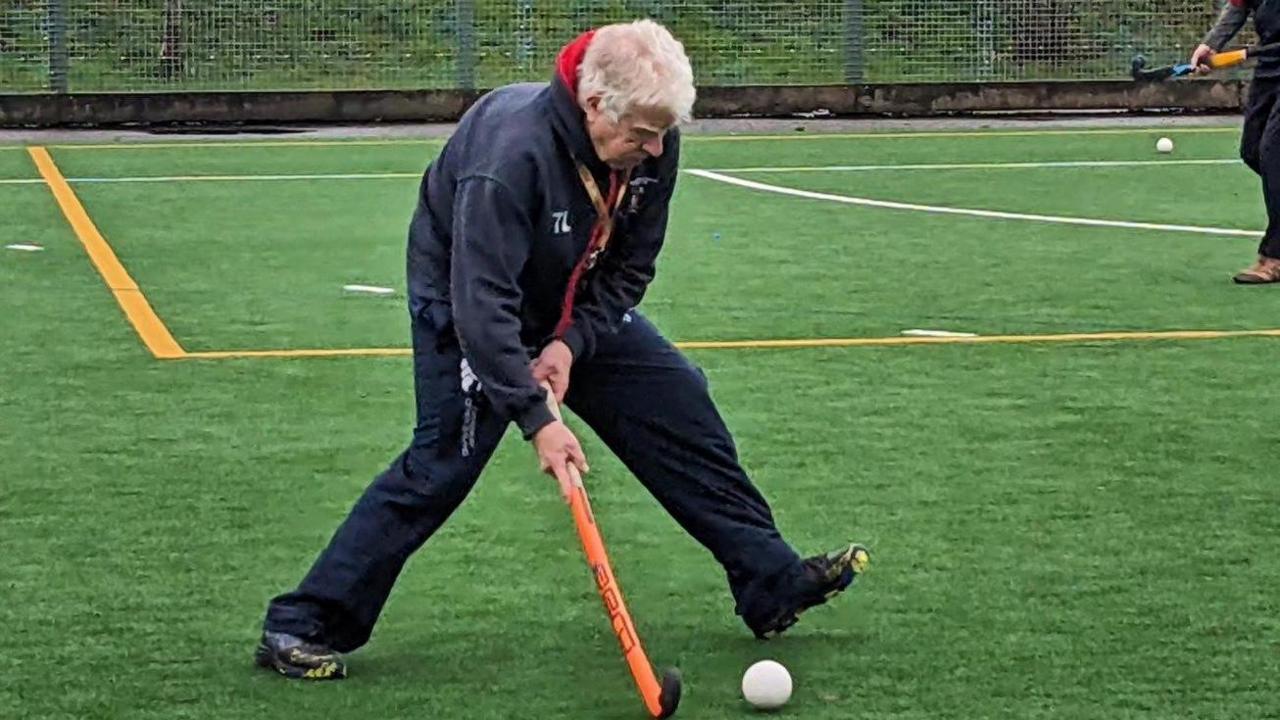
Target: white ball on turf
pixel 766 685
pixel 1164 145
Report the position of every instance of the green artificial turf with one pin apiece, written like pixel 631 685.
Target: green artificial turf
pixel 1081 530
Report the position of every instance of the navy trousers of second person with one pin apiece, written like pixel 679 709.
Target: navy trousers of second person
pixel 639 394
pixel 1260 150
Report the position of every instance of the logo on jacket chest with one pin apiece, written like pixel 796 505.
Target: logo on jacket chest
pixel 560 222
pixel 636 192
pixel 631 204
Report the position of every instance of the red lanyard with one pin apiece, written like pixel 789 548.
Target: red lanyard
pixel 600 234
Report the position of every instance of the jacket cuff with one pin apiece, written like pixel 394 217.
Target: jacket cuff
pixel 577 342
pixel 534 419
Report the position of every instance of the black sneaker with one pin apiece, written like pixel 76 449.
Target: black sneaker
pixel 296 658
pixel 830 575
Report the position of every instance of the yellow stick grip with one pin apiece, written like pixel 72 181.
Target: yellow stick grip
pixel 1228 59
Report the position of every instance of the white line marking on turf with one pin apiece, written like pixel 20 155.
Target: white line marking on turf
pixel 761 169
pixel 371 289
pixel 21 181
pixel 936 333
pixel 24 247
pixel 1060 219
pixel 979 166
pixel 236 178
pixel 692 137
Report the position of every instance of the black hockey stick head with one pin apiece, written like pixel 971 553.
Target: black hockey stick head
pixel 1137 66
pixel 1139 70
pixel 671 689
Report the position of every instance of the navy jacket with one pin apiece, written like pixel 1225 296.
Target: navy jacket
pixel 502 219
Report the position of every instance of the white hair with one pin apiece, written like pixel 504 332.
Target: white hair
pixel 637 65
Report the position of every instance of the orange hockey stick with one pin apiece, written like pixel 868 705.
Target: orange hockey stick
pixel 660 697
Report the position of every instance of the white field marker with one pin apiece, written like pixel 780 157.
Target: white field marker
pixel 936 333
pixel 370 289
pixel 24 247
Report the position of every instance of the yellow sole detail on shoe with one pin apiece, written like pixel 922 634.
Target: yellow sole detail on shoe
pixel 323 671
pixel 861 561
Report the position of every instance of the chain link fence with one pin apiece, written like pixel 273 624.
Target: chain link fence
pixel 139 45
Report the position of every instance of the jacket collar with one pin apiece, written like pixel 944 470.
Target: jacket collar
pixel 570 124
pixel 567 116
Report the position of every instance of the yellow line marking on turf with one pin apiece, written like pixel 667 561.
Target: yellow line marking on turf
pixel 148 325
pixel 802 343
pixel 925 134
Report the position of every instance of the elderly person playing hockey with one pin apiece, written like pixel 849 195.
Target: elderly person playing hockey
pixel 535 236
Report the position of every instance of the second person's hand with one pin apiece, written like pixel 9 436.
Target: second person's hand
pixel 1200 58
